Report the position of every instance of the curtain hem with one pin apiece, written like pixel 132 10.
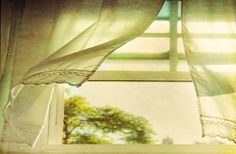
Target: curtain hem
pixel 219 127
pixel 70 76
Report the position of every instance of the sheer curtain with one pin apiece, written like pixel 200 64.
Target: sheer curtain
pixel 209 33
pixel 63 42
pixel 49 42
pixel 5 29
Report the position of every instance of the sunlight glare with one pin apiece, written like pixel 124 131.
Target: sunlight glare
pixel 215 45
pixel 222 68
pixel 212 27
pixel 159 27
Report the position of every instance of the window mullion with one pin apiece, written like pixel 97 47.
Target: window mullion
pixel 173 55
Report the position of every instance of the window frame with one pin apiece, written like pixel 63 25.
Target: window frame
pixel 172 75
pixel 174 56
pixel 51 140
pixel 141 149
pixel 45 147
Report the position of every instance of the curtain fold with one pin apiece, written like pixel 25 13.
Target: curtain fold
pixel 65 42
pixel 209 34
pixel 26 113
pixel 5 30
pixel 12 12
pixel 91 35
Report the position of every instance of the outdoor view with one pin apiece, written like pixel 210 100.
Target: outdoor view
pixel 133 113
pixel 87 124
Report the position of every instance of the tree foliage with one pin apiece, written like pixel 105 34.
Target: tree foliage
pixel 86 124
pixel 167 140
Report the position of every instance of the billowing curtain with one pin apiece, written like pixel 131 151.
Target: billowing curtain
pixel 61 41
pixel 209 33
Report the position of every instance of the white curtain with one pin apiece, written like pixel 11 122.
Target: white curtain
pixel 60 41
pixel 209 33
pixel 63 41
pixel 5 29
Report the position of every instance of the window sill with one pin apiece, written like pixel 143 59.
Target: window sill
pixel 140 149
pixel 141 76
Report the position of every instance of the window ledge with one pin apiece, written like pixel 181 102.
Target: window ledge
pixel 140 149
pixel 141 76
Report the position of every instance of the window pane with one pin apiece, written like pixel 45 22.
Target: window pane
pixel 179 27
pixel 146 45
pixel 179 8
pixel 159 27
pixel 135 65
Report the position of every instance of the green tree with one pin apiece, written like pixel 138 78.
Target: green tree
pixel 167 140
pixel 86 124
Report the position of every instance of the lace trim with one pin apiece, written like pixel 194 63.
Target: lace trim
pixel 219 121
pixel 70 76
pixel 227 128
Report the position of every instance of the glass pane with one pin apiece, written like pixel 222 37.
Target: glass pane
pixel 179 27
pixel 146 45
pixel 135 65
pixel 159 27
pixel 179 8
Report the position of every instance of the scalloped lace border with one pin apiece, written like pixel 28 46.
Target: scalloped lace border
pixel 228 127
pixel 70 76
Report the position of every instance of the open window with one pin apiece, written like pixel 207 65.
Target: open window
pixel 142 81
pixel 142 95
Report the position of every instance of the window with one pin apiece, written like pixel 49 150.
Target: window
pixel 158 51
pixel 151 69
